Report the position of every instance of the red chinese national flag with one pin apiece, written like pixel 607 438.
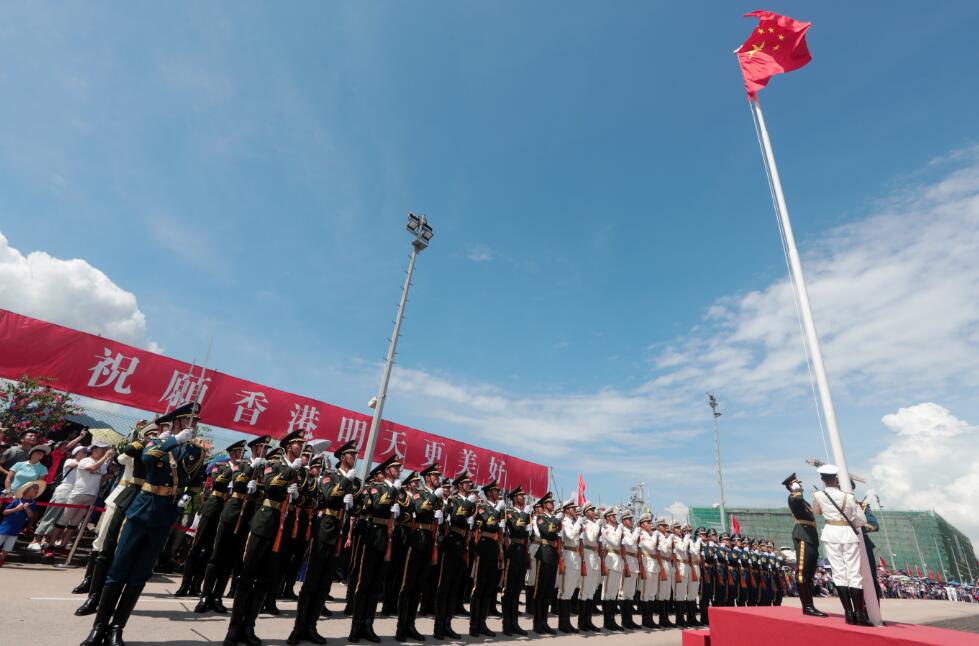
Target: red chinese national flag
pixel 581 490
pixel 931 575
pixel 917 571
pixel 777 45
pixel 883 563
pixel 735 525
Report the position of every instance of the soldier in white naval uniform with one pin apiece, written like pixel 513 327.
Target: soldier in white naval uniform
pixel 681 573
pixel 842 543
pixel 651 566
pixel 570 579
pixel 631 570
pixel 695 547
pixel 612 538
pixel 664 554
pixel 590 532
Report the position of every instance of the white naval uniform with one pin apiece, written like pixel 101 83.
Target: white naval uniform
pixel 105 519
pixel 590 533
pixel 664 548
pixel 630 540
pixel 696 547
pixel 612 537
pixel 571 579
pixel 531 579
pixel 650 585
pixel 840 542
pixel 681 553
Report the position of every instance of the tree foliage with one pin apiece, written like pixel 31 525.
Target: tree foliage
pixel 32 404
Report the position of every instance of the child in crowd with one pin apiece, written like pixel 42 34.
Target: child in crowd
pixel 17 513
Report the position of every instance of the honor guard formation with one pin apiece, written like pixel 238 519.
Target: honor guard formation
pixel 410 545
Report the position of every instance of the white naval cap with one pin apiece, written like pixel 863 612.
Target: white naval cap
pixel 829 470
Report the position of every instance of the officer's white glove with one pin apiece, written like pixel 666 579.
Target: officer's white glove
pixel 471 520
pixel 258 462
pixel 471 497
pixel 184 499
pixel 441 493
pixel 184 436
pixel 298 462
pixel 293 491
pixel 439 516
pixel 252 486
pixel 500 505
pixel 164 436
pixel 231 486
pixel 348 500
pixel 395 510
pixel 579 522
pixel 351 475
pixel 560 515
pixel 396 484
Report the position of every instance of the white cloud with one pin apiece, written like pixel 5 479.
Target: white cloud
pixel 678 511
pixel 932 462
pixel 479 253
pixel 71 293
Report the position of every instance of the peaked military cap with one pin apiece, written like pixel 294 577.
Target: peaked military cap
pixel 788 481
pixel 390 462
pixel 687 527
pixel 588 505
pixel 712 532
pixel 430 470
pixel 261 440
pixel 192 409
pixel 676 525
pixel 646 518
pixel 143 431
pixel 412 477
pixel 462 478
pixel 317 461
pixel 446 482
pixel 296 436
pixel 725 536
pixel 736 537
pixel 662 521
pixel 240 444
pixel 626 515
pixel 490 486
pixel 611 511
pixel 516 491
pixel 701 530
pixel 343 449
pixel 570 502
pixel 547 497
pixel 275 454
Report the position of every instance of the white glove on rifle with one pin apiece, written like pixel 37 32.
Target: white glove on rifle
pixel 396 484
pixel 184 436
pixel 350 475
pixel 184 499
pixel 579 522
pixel 560 515
pixel 231 486
pixel 164 436
pixel 258 462
pixel 252 486
pixel 528 509
pixel 439 516
pixel 440 492
pixel 471 520
pixel 471 497
pixel 348 500
pixel 395 510
pixel 500 505
pixel 293 491
pixel 298 462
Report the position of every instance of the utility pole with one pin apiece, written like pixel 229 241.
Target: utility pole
pixel 419 227
pixel 712 402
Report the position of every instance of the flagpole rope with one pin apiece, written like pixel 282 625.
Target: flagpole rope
pixel 785 256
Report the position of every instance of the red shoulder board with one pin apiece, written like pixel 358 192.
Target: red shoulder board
pixel 417 496
pixel 373 489
pixel 540 520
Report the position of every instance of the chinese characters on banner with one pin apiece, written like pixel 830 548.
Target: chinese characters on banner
pixel 96 367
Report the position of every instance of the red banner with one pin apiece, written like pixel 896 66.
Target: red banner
pixel 96 367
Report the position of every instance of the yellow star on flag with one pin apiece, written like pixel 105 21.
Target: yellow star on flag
pixel 781 36
pixel 761 31
pixel 771 30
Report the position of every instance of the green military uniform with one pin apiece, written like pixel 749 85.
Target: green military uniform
pixel 452 569
pixel 806 541
pixel 420 537
pixel 487 548
pixel 516 557
pixel 547 534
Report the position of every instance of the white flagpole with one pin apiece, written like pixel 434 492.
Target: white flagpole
pixel 815 354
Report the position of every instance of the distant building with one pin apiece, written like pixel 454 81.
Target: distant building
pixel 921 538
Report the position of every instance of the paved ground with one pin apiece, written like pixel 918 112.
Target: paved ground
pixel 37 611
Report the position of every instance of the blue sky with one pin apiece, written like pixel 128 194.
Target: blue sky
pixel 605 248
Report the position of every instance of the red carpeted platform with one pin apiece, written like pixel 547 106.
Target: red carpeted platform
pixel 696 638
pixel 777 626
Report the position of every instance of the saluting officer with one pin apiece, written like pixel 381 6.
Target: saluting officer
pixel 425 504
pixel 261 561
pixel 232 526
pixel 334 498
pixel 112 519
pixel 516 559
pixel 806 541
pixel 171 465
pixel 547 529
pixel 200 549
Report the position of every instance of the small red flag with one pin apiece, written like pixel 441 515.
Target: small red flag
pixel 931 575
pixel 883 563
pixel 581 490
pixel 735 525
pixel 777 45
pixel 917 571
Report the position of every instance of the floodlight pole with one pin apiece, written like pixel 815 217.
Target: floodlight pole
pixel 712 402
pixel 417 245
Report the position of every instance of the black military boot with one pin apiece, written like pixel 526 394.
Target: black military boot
pixel 107 607
pixel 474 617
pixel 99 570
pixel 859 607
pixel 679 610
pixel 564 617
pixel 369 633
pixel 298 633
pixel 664 615
pixel 844 593
pixel 270 608
pixel 125 608
pixel 808 607
pixel 515 617
pixel 528 606
pixel 86 584
pixel 412 615
pixel 484 609
pixel 608 614
pixel 646 614
pixel 628 623
pixel 589 613
pixel 583 610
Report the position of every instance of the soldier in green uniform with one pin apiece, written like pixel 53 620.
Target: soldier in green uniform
pixel 380 509
pixel 334 498
pixel 806 543
pixel 171 465
pixel 426 506
pixel 260 562
pixel 399 545
pixel 546 530
pixel 200 550
pixel 516 559
pixel 299 521
pixel 110 524
pixel 232 526
pixel 459 516
pixel 487 548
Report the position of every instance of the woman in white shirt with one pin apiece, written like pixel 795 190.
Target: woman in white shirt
pixel 69 471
